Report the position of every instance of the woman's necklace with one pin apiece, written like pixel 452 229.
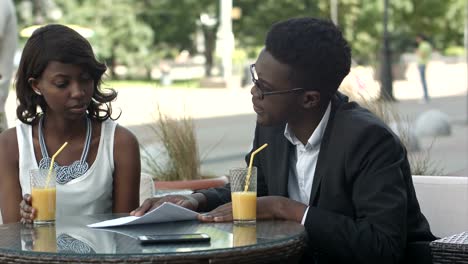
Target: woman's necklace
pixel 70 172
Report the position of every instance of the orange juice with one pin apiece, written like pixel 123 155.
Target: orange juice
pixel 244 206
pixel 45 240
pixel 43 200
pixel 244 235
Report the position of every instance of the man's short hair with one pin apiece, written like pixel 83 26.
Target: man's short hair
pixel 315 50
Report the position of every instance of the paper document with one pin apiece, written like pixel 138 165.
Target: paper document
pixel 167 212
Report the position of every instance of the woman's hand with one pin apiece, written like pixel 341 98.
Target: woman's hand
pixel 27 212
pixel 28 237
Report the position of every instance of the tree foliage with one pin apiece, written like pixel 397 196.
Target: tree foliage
pixel 141 32
pixel 121 37
pixel 258 16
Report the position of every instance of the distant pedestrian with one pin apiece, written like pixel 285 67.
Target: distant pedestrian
pixel 8 42
pixel 423 52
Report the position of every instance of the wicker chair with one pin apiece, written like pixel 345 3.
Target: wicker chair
pixel 146 186
pixel 452 249
pixel 444 202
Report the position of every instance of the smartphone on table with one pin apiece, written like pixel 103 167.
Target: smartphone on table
pixel 174 238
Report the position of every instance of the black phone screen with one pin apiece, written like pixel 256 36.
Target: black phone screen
pixel 174 238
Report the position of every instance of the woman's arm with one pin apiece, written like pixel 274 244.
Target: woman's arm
pixel 10 188
pixel 126 191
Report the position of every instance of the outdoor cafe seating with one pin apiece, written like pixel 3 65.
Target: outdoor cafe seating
pixel 444 202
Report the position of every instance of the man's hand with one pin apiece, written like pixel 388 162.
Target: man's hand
pixel 222 213
pixel 191 202
pixel 268 207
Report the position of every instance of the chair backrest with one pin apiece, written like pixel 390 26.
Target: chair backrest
pixel 444 202
pixel 146 186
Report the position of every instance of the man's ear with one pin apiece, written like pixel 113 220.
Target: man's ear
pixel 311 99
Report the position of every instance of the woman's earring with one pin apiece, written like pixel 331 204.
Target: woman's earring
pixel 37 92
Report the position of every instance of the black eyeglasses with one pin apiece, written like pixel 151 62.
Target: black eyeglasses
pixel 260 86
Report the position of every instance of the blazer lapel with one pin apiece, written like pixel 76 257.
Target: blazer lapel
pixel 280 166
pixel 323 157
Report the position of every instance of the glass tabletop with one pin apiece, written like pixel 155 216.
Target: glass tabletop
pixel 71 236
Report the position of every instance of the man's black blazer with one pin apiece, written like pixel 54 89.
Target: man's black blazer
pixel 363 206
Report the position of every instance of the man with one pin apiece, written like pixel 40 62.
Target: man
pixel 423 52
pixel 8 42
pixel 330 164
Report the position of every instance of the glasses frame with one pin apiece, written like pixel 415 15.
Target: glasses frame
pixel 261 93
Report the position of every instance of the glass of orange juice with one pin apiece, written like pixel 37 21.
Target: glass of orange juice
pixel 244 201
pixel 244 235
pixel 43 195
pixel 45 238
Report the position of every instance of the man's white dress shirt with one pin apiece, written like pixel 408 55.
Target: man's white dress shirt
pixel 303 162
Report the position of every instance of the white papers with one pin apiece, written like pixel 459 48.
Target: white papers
pixel 167 212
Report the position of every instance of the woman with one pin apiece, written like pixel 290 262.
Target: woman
pixel 99 170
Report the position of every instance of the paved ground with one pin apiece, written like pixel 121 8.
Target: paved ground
pixel 226 139
pixel 447 153
pixel 225 121
pixel 224 118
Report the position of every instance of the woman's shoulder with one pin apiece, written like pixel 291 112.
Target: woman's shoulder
pixel 111 126
pixel 9 141
pixel 124 136
pixel 125 144
pixel 8 134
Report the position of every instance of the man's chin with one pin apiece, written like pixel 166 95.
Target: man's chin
pixel 260 120
pixel 263 122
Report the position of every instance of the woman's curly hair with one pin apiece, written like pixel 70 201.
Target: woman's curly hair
pixel 58 43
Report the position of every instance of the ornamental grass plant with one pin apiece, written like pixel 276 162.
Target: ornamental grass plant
pixel 420 161
pixel 179 159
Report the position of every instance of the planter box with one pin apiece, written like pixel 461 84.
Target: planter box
pixel 191 184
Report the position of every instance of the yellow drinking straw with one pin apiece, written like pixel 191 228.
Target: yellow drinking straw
pixel 52 161
pixel 249 170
